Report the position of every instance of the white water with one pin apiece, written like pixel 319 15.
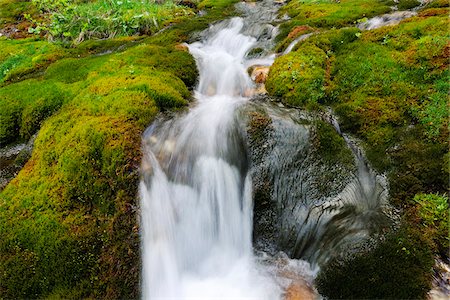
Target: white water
pixel 196 194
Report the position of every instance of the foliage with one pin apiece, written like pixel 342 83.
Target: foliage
pixel 78 20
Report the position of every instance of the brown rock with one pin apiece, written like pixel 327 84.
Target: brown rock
pixel 299 291
pixel 259 73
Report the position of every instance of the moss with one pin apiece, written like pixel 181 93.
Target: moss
pixel 407 4
pixel 217 4
pixel 433 210
pixel 13 10
pixel 330 145
pixel 437 4
pixel 330 14
pixel 70 215
pixel 295 32
pixel 26 105
pixel 298 77
pixel 398 268
pixel 73 69
pixel 21 57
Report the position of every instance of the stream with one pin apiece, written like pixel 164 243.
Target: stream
pixel 205 235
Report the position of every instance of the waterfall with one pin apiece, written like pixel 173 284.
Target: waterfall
pixel 195 191
pixel 196 187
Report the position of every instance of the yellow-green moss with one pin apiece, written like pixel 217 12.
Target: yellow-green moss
pixel 330 13
pixel 21 57
pixel 298 77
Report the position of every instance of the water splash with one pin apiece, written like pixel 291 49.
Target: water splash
pixel 196 196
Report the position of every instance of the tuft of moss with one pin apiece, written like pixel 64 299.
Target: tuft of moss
pixel 26 105
pixel 19 58
pixel 298 78
pixel 433 212
pixel 330 145
pixel 330 14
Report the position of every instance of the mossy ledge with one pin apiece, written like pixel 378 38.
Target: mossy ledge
pixel 68 221
pixel 389 88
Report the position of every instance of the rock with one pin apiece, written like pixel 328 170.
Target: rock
pixel 259 73
pixel 299 291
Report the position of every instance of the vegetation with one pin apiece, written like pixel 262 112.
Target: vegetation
pixel 398 268
pixel 389 87
pixel 68 220
pixel 78 20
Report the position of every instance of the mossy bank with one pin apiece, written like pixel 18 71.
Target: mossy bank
pixel 68 221
pixel 389 87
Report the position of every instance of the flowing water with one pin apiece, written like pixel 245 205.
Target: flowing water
pixel 197 188
pixel 196 191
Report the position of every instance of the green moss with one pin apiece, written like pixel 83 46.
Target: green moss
pixel 331 146
pixel 330 14
pixel 298 77
pixel 217 4
pixel 21 57
pixel 433 211
pixel 407 4
pixel 398 268
pixel 70 216
pixel 12 10
pixel 26 105
pixel 438 3
pixel 73 69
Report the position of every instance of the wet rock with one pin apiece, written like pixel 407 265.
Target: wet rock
pixel 299 291
pixel 259 73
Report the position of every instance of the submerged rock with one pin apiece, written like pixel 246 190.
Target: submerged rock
pixel 313 196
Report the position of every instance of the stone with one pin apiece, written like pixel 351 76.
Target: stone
pixel 259 73
pixel 299 291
